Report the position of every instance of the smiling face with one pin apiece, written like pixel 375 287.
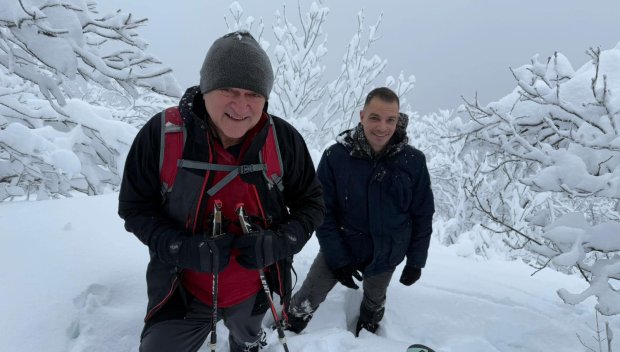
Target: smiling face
pixel 234 111
pixel 379 119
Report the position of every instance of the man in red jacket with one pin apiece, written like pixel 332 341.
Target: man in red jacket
pixel 227 133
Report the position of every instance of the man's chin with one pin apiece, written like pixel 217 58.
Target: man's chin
pixel 380 144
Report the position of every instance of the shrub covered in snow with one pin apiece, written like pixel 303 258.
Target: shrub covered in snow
pixel 74 84
pixel 549 168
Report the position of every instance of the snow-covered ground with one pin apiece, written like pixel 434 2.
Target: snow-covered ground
pixel 74 280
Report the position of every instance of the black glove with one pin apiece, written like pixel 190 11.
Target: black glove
pixel 346 274
pixel 262 248
pixel 195 252
pixel 410 275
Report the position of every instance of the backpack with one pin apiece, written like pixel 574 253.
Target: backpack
pixel 173 136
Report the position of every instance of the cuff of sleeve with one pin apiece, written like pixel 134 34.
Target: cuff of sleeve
pixel 417 261
pixel 296 235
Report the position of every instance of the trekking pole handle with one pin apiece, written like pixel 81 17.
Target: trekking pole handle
pixel 217 219
pixel 246 226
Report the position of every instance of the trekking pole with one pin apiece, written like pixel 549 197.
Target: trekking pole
pixel 215 232
pixel 247 227
pixel 276 318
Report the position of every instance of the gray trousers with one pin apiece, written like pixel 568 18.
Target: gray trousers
pixel 321 280
pixel 190 333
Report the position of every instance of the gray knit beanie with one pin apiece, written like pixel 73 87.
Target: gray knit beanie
pixel 236 60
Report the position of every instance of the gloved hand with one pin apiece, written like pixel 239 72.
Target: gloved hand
pixel 195 252
pixel 410 275
pixel 346 274
pixel 262 248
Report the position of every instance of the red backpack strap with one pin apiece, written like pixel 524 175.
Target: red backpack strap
pixel 171 150
pixel 271 157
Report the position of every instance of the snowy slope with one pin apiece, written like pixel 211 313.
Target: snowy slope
pixel 73 280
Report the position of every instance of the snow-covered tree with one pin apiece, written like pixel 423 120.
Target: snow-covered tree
pixel 431 134
pixel 298 87
pixel 319 107
pixel 74 83
pixel 347 92
pixel 237 22
pixel 550 171
pixel 456 220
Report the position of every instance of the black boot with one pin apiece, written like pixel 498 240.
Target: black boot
pixel 372 327
pixel 256 346
pixel 296 323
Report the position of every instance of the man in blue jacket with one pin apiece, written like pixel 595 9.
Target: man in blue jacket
pixel 379 202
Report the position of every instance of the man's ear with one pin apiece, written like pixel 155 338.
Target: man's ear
pixel 266 106
pixel 361 115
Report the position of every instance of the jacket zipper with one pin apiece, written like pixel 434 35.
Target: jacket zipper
pixel 163 301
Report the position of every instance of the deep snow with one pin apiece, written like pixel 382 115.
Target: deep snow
pixel 73 280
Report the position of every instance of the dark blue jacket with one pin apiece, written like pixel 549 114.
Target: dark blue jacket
pixel 379 210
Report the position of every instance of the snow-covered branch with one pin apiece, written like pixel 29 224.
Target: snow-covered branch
pixel 347 92
pixel 558 132
pixel 300 93
pixel 60 62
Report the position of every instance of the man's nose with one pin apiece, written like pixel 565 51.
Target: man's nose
pixel 241 105
pixel 383 125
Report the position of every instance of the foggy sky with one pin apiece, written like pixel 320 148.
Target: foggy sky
pixel 454 48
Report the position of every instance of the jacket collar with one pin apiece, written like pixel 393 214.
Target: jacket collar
pixel 356 143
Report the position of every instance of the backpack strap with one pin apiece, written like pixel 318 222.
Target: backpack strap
pixel 173 135
pixel 270 156
pixel 233 171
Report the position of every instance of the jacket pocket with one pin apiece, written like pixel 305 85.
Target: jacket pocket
pixel 399 245
pixel 399 188
pixel 181 201
pixel 360 246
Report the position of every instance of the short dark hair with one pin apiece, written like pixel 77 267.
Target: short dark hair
pixel 383 93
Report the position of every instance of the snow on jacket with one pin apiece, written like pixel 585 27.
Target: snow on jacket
pixel 141 203
pixel 379 207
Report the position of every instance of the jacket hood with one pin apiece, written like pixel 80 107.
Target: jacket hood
pixel 356 143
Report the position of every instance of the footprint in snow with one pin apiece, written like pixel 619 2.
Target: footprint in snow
pixel 87 302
